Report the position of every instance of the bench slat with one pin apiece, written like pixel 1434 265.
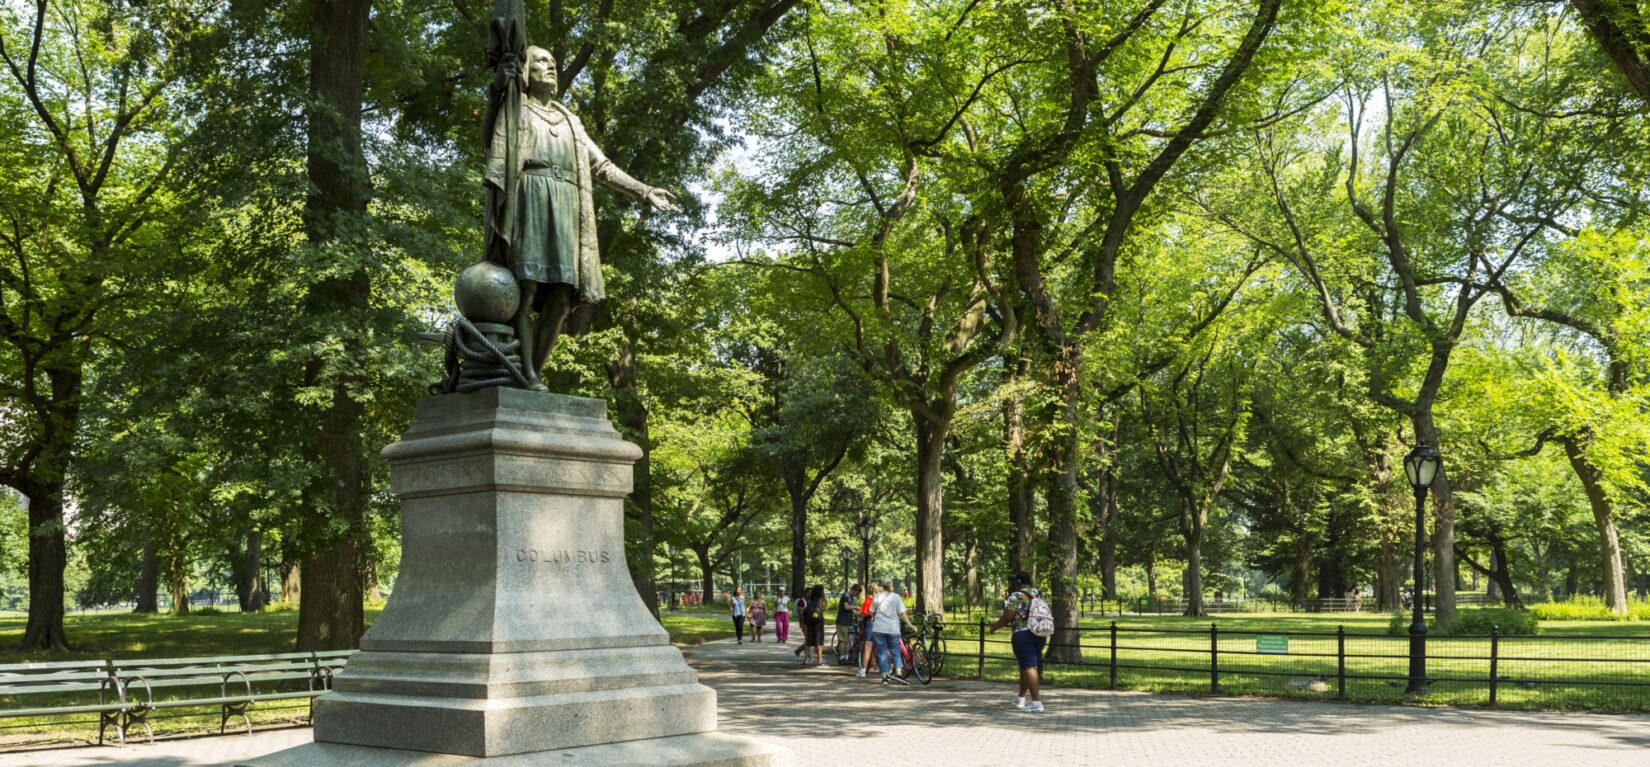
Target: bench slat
pixel 90 665
pixel 47 679
pixel 57 710
pixel 19 691
pixel 201 702
pixel 211 671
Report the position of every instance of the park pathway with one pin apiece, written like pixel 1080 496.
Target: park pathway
pixel 828 718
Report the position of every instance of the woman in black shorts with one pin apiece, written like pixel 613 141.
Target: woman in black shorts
pixel 813 626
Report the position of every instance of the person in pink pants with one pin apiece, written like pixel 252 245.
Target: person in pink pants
pixel 782 616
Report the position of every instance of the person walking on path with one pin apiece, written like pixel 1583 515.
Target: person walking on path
pixel 845 623
pixel 813 626
pixel 758 615
pixel 866 646
pixel 736 606
pixel 887 617
pixel 802 610
pixel 1025 608
pixel 782 616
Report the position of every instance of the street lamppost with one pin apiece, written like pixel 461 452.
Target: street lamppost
pixel 1421 465
pixel 847 567
pixel 867 531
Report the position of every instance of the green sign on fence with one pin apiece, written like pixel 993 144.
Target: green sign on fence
pixel 1272 643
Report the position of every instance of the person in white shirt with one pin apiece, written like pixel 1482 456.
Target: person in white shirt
pixel 887 614
pixel 782 616
pixel 737 607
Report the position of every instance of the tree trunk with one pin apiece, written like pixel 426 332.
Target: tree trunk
pixel 1592 481
pixel 177 580
pixel 1502 574
pixel 1299 574
pixel 1492 593
pixel 1623 32
pixel 48 557
pixel 1151 578
pixel 796 490
pixel 1194 572
pixel 330 616
pixel 292 583
pixel 971 570
pixel 257 592
pixel 148 579
pixel 1065 645
pixel 930 543
pixel 707 577
pixel 1020 503
pixel 1387 577
pixel 370 578
pixel 1108 563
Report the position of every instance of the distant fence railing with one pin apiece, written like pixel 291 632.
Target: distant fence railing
pixel 1100 607
pixel 1598 672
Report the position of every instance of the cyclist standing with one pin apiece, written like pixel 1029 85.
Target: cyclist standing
pixel 1024 600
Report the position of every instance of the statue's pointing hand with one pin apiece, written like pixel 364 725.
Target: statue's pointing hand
pixel 661 200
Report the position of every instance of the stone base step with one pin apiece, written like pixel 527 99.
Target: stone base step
pixel 709 749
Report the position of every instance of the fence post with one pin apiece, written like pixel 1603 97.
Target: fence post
pixel 1214 658
pixel 1114 655
pixel 1340 659
pixel 980 672
pixel 1495 658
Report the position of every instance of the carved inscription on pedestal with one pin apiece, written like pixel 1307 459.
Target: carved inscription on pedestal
pixel 563 556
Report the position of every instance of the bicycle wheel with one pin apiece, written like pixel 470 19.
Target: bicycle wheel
pixel 919 663
pixel 936 655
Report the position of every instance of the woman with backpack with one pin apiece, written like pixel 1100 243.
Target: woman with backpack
pixel 1033 623
pixel 813 625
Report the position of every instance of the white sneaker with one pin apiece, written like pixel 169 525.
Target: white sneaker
pixel 861 674
pixel 1034 707
pixel 1019 702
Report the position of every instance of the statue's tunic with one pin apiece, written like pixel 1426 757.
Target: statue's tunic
pixel 553 237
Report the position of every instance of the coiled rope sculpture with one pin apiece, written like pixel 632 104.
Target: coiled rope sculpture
pixel 478 355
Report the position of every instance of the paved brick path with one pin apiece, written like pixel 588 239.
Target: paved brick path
pixel 830 719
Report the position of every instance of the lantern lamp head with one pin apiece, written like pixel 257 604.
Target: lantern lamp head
pixel 1421 465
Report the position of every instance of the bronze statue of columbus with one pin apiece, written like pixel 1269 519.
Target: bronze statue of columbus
pixel 540 214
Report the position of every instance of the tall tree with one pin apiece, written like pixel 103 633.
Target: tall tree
pixel 330 617
pixel 90 138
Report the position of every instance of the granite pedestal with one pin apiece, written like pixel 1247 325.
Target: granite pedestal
pixel 515 635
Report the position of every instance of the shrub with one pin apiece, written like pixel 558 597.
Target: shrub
pixel 1483 620
pixel 1472 621
pixel 1588 608
pixel 208 610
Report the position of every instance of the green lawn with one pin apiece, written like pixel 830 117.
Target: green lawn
pixel 121 635
pixel 1154 654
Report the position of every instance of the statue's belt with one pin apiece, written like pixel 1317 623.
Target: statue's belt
pixel 555 172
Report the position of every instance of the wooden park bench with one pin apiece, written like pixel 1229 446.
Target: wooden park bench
pixel 64 688
pixel 150 685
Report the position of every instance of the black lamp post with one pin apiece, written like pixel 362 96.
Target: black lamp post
pixel 867 531
pixel 1421 465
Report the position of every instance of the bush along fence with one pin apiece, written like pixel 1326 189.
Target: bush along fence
pixel 1601 673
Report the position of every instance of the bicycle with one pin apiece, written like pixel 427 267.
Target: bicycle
pixel 914 657
pixel 933 626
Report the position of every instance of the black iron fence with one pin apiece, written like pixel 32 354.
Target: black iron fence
pixel 1097 607
pixel 1595 672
